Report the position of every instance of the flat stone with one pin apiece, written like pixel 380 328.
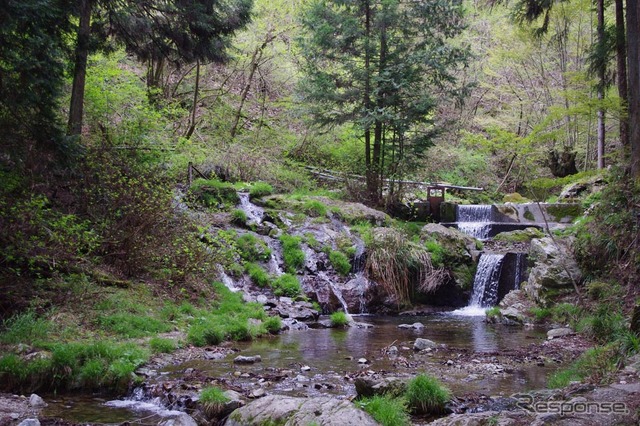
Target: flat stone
pixel 29 422
pixel 559 332
pixel 240 359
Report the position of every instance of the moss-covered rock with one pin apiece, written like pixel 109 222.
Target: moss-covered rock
pixel 520 235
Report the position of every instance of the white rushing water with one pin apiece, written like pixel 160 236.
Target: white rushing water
pixel 485 285
pixel 475 220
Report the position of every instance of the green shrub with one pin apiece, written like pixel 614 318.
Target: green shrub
pixel 252 248
pixel 292 254
pixel 258 275
pixel 286 285
pixel 540 314
pixel 340 262
pixel 238 217
pixel 339 319
pixel 386 410
pixel 161 345
pixel 314 208
pixel 260 189
pixel 205 332
pixel 425 394
pixel 598 364
pixel 24 328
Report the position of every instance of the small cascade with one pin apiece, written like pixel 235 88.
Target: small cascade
pixel 254 213
pixel 227 280
pixel 519 269
pixel 475 220
pixel 336 291
pixel 359 257
pixel 485 285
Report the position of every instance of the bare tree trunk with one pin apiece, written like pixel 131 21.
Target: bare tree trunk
pixel 76 107
pixel 621 65
pixel 633 58
pixel 601 86
pixel 194 110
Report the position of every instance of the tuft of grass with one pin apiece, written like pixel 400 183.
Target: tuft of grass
pixel 258 274
pixel 273 324
pixel 425 394
pixel 214 193
pixel 286 285
pixel 162 345
pixel 260 189
pixel 24 328
pixel 340 262
pixel 252 248
pixel 292 253
pixel 213 401
pixel 386 410
pixel 436 251
pixel 314 208
pixel 598 364
pixel 339 319
pixel 540 314
pixel 493 312
pixel 238 217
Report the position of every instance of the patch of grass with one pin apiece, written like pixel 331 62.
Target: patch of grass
pixel 260 189
pixel 425 394
pixel 214 193
pixel 540 314
pixel 258 274
pixel 252 248
pixel 127 324
pixel 493 312
pixel 162 345
pixel 314 208
pixel 340 262
pixel 386 410
pixel 273 324
pixel 339 319
pixel 286 285
pixel 238 217
pixel 436 251
pixel 292 253
pixel 24 328
pixel 598 364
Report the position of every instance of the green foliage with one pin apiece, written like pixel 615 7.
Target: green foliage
pixel 540 314
pixel 101 364
pixel 493 312
pixel 258 274
pixel 238 217
pixel 127 324
pixel 425 394
pixel 252 248
pixel 213 400
pixel 260 189
pixel 340 262
pixel 162 345
pixel 314 208
pixel 385 410
pixel 214 193
pixel 597 363
pixel 292 253
pixel 542 188
pixel 273 324
pixel 286 285
pixel 339 319
pixel 436 252
pixel 24 328
pixel 606 325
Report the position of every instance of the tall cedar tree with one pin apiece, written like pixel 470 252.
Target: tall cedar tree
pixel 156 32
pixel 381 65
pixel 32 54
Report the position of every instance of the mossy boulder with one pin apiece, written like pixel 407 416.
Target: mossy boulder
pixel 456 249
pixel 554 269
pixel 515 198
pixel 519 235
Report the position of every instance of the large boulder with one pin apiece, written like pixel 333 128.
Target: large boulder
pixel 289 411
pixel 554 269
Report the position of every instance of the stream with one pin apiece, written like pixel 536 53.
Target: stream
pixel 321 361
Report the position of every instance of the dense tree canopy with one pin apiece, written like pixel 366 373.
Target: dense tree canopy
pixel 381 65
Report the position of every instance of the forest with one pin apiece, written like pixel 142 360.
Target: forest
pixel 153 151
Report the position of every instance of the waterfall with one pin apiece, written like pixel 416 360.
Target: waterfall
pixel 519 269
pixel 227 280
pixel 485 285
pixel 254 213
pixel 475 220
